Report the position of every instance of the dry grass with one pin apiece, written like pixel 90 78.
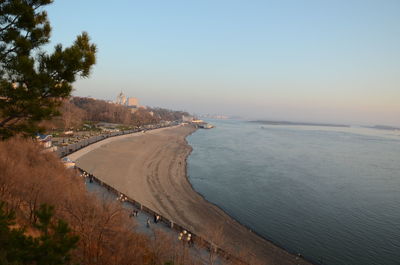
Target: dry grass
pixel 29 177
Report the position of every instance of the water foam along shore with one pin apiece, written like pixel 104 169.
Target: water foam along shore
pixel 151 168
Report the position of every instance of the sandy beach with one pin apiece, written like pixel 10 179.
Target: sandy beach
pixel 151 168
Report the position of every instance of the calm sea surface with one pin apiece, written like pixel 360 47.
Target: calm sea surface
pixel 331 194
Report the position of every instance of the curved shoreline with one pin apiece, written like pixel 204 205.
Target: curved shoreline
pixel 250 230
pixel 240 223
pixel 158 177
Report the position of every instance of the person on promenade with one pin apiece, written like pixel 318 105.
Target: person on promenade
pixel 148 222
pixel 133 214
pixel 155 218
pixel 191 242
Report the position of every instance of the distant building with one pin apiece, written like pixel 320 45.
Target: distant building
pixel 121 99
pixel 133 102
pixel 187 118
pixel 45 140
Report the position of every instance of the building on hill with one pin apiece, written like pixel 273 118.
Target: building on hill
pixel 121 99
pixel 187 118
pixel 133 104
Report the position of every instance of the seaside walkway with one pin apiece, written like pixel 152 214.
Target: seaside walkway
pixel 200 249
pixel 150 169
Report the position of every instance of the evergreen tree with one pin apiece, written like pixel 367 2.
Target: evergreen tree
pixel 52 247
pixel 33 82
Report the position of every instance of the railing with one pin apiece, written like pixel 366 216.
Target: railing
pixel 179 228
pixel 64 151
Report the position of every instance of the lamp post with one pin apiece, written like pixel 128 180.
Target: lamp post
pixel 122 198
pixel 185 238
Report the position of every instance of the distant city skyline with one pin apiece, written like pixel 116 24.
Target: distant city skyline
pixel 308 60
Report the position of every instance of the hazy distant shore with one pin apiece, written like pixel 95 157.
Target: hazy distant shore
pixel 384 127
pixel 151 168
pixel 299 123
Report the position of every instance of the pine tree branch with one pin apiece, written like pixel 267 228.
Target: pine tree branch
pixel 6 120
pixel 10 23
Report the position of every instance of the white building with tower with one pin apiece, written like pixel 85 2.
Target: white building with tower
pixel 131 102
pixel 121 99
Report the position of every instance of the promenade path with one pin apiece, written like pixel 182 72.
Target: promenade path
pixel 141 224
pixel 151 169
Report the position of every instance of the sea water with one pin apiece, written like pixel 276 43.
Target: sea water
pixel 329 193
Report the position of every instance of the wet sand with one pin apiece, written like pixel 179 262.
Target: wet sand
pixel 151 168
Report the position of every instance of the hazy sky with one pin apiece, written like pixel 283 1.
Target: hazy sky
pixel 336 61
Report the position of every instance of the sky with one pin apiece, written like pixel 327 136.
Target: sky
pixel 311 60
